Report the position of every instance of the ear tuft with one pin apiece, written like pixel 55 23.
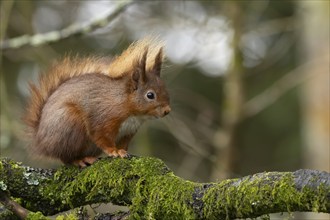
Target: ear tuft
pixel 143 61
pixel 158 62
pixel 139 72
pixel 131 57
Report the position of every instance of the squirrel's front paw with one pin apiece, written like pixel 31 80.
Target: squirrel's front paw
pixel 117 153
pixel 122 153
pixel 112 153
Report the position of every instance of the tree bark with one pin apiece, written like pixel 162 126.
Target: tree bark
pixel 150 189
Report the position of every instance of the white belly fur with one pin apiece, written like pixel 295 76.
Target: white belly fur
pixel 130 126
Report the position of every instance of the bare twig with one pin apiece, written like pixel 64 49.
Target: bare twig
pixel 13 206
pixel 72 30
pixel 5 13
pixel 278 89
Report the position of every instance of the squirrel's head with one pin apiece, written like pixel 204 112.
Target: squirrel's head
pixel 148 93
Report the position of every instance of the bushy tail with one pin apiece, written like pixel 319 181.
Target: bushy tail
pixel 56 75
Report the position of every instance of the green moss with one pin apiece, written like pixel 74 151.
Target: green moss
pixel 316 201
pixel 36 216
pixel 257 195
pixel 16 171
pixel 163 197
pixel 70 216
pixel 103 179
pixel 285 194
pixel 322 203
pixel 159 193
pixel 249 197
pixel 215 198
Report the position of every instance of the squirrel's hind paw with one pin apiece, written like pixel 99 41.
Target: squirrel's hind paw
pixel 84 162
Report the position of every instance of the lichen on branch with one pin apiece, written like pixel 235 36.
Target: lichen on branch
pixel 151 190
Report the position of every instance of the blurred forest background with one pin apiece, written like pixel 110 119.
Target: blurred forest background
pixel 249 80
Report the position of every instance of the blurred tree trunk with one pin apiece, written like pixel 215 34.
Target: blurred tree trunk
pixel 228 154
pixel 315 92
pixel 5 9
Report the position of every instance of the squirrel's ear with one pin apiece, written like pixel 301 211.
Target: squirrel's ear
pixel 158 62
pixel 139 73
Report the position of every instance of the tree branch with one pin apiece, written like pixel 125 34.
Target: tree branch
pixel 289 81
pixel 149 188
pixel 13 206
pixel 72 30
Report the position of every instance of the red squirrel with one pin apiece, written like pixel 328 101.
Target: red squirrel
pixel 85 106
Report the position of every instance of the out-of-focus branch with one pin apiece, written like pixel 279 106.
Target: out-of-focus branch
pixel 289 81
pixel 6 7
pixel 72 30
pixel 13 206
pixel 4 17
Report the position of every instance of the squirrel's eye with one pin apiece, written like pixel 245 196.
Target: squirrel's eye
pixel 150 95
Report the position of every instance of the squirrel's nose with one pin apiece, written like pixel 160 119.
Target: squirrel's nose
pixel 167 110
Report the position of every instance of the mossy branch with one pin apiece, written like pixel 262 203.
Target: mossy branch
pixel 150 189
